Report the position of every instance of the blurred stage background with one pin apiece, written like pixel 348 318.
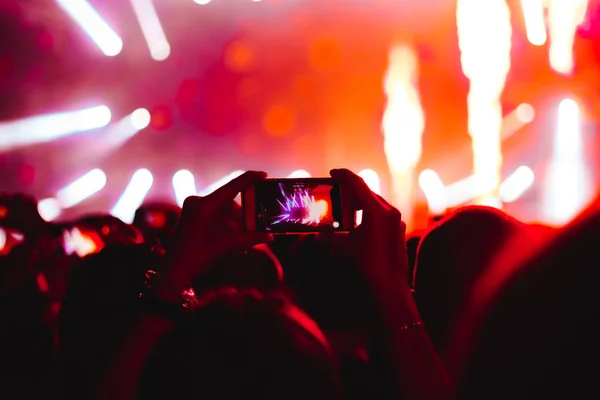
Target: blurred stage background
pixel 286 85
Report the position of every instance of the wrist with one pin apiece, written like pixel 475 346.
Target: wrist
pixel 396 307
pixel 162 296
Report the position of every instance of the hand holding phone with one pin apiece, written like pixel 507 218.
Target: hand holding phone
pixel 297 206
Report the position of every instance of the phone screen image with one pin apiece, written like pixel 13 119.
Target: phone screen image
pixel 298 206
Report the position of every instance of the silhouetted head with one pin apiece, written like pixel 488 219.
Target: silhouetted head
pixel 412 244
pixel 451 257
pixel 111 229
pixel 531 331
pixel 242 345
pixel 256 268
pixel 19 211
pixel 101 303
pixel 158 220
pixel 328 285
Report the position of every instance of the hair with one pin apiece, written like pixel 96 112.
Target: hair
pixel 99 307
pixel 533 329
pixel 412 245
pixel 256 268
pixel 328 285
pixel 450 259
pixel 242 345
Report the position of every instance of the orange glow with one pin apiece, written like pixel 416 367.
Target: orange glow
pixel 279 120
pixel 161 118
pixel 324 54
pixel 484 35
pixel 402 125
pixel 239 56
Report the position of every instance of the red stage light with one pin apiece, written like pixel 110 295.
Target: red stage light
pixel 161 118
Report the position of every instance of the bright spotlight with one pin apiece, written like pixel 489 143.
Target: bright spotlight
pixel 432 186
pixel 93 25
pixel 152 29
pixel 81 188
pixel 371 179
pixel 184 185
pixel 516 184
pixel 214 186
pixel 140 118
pixel 45 128
pixel 49 209
pixel 525 113
pixel 567 189
pixel 202 2
pixel 299 173
pixel 133 196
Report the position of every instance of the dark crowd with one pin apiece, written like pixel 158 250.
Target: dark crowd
pixel 186 304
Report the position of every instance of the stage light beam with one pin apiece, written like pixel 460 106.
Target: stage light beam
pixel 567 189
pixel 133 196
pixel 484 36
pixel 153 32
pixel 433 188
pixel 140 119
pixel 535 24
pixel 564 17
pixel 184 186
pixel 45 128
pixel 93 25
pixel 214 186
pixel 81 188
pixel 371 179
pixel 49 209
pixel 516 184
pixel 402 125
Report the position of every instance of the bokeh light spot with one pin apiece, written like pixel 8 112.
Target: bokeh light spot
pixel 525 113
pixel 279 120
pixel 161 118
pixel 27 174
pixel 140 118
pixel 239 56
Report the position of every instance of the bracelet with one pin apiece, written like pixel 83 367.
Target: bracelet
pixel 166 309
pixel 412 325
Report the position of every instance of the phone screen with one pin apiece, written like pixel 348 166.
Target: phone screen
pixel 298 206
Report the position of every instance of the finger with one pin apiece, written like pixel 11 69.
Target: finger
pixel 385 203
pixel 234 211
pixel 359 190
pixel 229 191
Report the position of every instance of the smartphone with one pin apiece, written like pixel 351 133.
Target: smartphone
pixel 297 206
